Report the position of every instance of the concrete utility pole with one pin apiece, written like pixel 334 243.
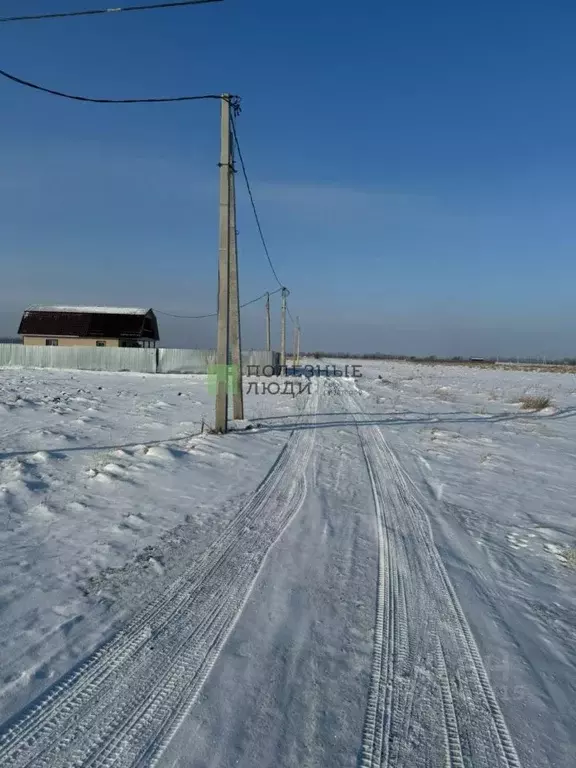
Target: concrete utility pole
pixel 283 329
pixel 297 352
pixel 268 347
pixel 234 296
pixel 222 348
pixel 295 344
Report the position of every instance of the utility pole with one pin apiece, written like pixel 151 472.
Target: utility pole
pixel 268 347
pixel 234 296
pixel 296 350
pixel 297 360
pixel 223 338
pixel 283 329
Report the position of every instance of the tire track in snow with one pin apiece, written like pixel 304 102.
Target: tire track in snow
pixel 459 634
pixel 122 706
pixel 424 651
pixel 451 733
pixel 378 707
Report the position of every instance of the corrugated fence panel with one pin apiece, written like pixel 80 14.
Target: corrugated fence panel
pixel 198 360
pixel 79 358
pixel 127 359
pixel 185 360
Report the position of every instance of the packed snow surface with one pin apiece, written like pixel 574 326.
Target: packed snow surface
pixel 381 572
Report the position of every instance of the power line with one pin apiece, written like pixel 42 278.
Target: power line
pixel 290 314
pixel 185 317
pixel 256 216
pixel 251 196
pixel 97 11
pixel 73 97
pixel 214 314
pixel 259 298
pixel 235 103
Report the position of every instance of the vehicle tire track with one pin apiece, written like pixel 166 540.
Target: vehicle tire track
pixel 121 707
pixel 378 705
pixel 478 680
pixel 424 651
pixel 454 758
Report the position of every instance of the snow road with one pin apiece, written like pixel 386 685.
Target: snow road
pixel 320 628
pixel 424 651
pixel 121 707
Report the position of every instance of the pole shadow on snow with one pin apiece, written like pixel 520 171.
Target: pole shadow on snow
pixel 290 422
pixel 61 453
pixel 396 419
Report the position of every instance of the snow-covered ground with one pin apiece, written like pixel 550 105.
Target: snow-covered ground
pixel 99 474
pixel 381 574
pixel 501 485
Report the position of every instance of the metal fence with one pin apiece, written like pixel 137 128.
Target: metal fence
pixel 185 360
pixel 198 360
pixel 124 359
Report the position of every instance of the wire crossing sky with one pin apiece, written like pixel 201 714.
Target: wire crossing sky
pixel 99 11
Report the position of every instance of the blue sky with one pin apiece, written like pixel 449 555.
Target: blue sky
pixel 413 163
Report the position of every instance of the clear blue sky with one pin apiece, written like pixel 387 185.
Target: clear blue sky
pixel 413 163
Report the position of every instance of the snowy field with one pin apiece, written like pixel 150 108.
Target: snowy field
pixel 99 474
pixel 382 573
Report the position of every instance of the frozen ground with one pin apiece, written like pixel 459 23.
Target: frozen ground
pixel 99 473
pixel 383 575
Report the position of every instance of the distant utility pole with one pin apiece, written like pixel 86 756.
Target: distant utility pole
pixel 234 297
pixel 268 345
pixel 296 352
pixel 283 329
pixel 297 361
pixel 223 338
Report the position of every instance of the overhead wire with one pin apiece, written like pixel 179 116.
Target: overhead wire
pixel 256 216
pixel 92 100
pixel 252 201
pixel 235 103
pixel 98 11
pixel 215 314
pixel 290 315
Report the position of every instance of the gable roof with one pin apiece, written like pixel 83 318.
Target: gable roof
pixel 90 322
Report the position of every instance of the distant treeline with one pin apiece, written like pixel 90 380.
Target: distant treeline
pixel 436 359
pixel 8 340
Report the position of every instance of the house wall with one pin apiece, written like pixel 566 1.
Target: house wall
pixel 66 341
